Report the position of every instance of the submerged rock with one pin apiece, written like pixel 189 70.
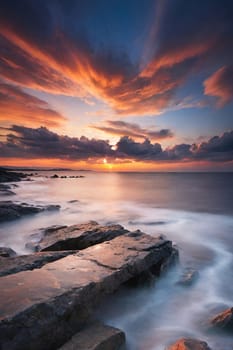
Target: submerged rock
pixel 189 344
pixel 223 321
pixel 11 211
pixel 6 252
pixel 58 298
pixel 189 277
pixel 96 336
pixel 5 190
pixel 76 237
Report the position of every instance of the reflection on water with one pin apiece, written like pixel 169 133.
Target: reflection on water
pixel 193 210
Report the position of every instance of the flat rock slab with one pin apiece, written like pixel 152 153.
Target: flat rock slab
pixel 11 265
pixel 96 336
pixel 76 237
pixel 43 308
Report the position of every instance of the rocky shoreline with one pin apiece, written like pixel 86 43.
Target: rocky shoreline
pixel 48 297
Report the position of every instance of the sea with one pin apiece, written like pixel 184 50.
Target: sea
pixel 194 210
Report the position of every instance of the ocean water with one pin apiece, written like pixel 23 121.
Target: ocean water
pixel 194 210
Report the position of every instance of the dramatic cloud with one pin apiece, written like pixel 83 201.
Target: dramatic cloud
pixel 20 107
pixel 40 143
pixel 65 48
pixel 121 128
pixel 220 85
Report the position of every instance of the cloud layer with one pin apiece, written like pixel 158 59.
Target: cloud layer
pixel 220 85
pixel 22 142
pixel 122 128
pixel 60 48
pixel 19 106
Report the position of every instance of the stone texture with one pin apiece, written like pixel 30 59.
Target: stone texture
pixel 76 237
pixel 16 264
pixel 11 211
pixel 223 321
pixel 11 176
pixel 6 252
pixel 189 277
pixel 189 344
pixel 43 308
pixel 96 336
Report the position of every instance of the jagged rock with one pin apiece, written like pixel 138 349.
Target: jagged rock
pixel 189 276
pixel 11 211
pixel 16 264
pixel 43 308
pixel 96 336
pixel 171 261
pixel 11 176
pixel 223 321
pixel 6 252
pixel 76 237
pixel 189 344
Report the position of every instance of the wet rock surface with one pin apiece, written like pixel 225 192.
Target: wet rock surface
pixel 96 336
pixel 58 298
pixel 11 211
pixel 16 264
pixel 189 344
pixel 75 237
pixel 6 252
pixel 188 277
pixel 222 321
pixel 11 176
pixel 5 190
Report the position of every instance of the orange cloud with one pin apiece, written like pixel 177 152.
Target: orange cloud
pixel 61 64
pixel 16 106
pixel 220 85
pixel 62 67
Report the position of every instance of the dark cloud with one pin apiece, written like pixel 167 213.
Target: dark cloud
pixel 42 143
pixel 79 48
pixel 121 128
pixel 218 148
pixel 220 85
pixel 17 105
pixel 22 142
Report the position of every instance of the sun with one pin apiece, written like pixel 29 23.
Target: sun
pixel 105 161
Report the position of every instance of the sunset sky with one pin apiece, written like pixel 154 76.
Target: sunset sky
pixel 125 85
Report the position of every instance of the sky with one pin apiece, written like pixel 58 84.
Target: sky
pixel 120 85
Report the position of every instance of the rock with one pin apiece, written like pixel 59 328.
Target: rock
pixel 7 252
pixel 96 336
pixel 223 321
pixel 189 276
pixel 77 236
pixel 6 190
pixel 20 263
pixel 11 176
pixel 55 176
pixel 10 210
pixel 189 344
pixel 172 261
pixel 43 308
